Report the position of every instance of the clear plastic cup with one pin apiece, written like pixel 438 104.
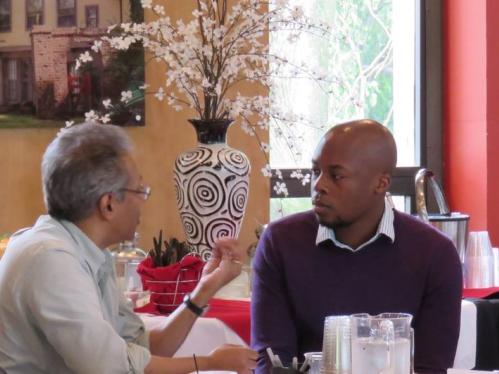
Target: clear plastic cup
pixel 336 356
pixel 479 261
pixel 314 360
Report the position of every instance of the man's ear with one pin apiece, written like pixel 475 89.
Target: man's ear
pixel 106 206
pixel 384 182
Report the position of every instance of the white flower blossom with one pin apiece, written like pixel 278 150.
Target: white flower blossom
pixel 306 179
pixel 111 28
pixel 91 116
pixel 205 83
pixel 85 57
pixel 160 94
pixel 281 189
pixel 267 171
pixel 96 47
pixel 107 103
pixel 159 9
pixel 138 117
pixel 105 118
pixel 69 123
pixel 126 96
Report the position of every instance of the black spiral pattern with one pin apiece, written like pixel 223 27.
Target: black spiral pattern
pixel 219 228
pixel 204 252
pixel 193 228
pixel 211 187
pixel 234 161
pixel 205 192
pixel 238 198
pixel 179 191
pixel 190 160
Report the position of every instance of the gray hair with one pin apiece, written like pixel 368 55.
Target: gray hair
pixel 80 165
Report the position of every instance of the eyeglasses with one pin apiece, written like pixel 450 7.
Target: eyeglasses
pixel 144 192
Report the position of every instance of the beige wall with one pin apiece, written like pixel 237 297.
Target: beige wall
pixel 166 134
pixel 20 37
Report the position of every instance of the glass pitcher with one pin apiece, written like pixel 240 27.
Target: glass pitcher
pixel 382 344
pixel 126 259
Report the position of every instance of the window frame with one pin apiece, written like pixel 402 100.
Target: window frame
pixel 57 4
pixel 9 29
pixel 429 111
pixel 27 15
pixel 87 9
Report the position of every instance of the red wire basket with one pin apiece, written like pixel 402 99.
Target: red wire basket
pixel 169 284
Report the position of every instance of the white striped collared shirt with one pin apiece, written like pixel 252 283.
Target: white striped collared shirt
pixel 385 227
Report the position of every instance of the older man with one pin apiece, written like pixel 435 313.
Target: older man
pixel 60 310
pixel 353 253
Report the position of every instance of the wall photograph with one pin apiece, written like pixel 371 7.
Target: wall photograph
pixel 39 43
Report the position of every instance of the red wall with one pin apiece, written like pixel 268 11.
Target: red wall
pixel 493 119
pixel 471 111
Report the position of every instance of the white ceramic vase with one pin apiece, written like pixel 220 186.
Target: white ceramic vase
pixel 211 186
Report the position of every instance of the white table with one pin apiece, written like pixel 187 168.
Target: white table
pixel 466 346
pixel 206 335
pixel 210 333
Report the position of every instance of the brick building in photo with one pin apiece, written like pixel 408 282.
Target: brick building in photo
pixel 39 42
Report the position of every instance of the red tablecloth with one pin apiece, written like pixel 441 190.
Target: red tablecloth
pixel 481 293
pixel 235 313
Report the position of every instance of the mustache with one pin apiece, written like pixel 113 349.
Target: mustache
pixel 316 200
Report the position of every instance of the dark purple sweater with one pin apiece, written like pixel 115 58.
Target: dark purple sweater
pixel 297 284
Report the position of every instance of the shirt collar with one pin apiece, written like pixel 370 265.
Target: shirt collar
pixel 385 228
pixel 95 257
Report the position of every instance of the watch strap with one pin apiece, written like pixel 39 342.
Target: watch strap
pixel 196 309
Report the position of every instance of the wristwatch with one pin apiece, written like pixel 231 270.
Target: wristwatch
pixel 196 309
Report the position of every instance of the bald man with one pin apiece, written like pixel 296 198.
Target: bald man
pixel 353 254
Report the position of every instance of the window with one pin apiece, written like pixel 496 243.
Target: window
pixel 376 57
pixel 66 13
pixel 92 15
pixel 12 92
pixel 34 13
pixel 5 15
pixel 25 80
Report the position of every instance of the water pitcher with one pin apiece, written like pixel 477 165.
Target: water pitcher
pixel 381 344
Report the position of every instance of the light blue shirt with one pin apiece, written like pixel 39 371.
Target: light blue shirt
pixel 385 228
pixel 60 309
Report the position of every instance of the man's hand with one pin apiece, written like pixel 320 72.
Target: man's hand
pixel 231 357
pixel 226 262
pixel 228 357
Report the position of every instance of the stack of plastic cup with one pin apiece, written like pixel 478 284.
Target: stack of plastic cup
pixel 336 356
pixel 495 255
pixel 479 261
